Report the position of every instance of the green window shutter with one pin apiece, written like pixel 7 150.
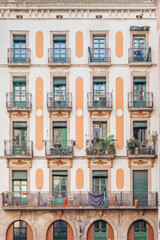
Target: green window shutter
pixel 57 81
pixel 59 173
pixel 59 124
pixel 100 173
pixel 140 124
pixel 19 38
pixel 19 79
pixel 19 125
pixel 139 80
pixel 19 175
pixel 59 38
pixel 99 80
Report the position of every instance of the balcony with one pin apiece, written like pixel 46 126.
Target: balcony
pixel 59 57
pixel 59 150
pixel 139 56
pixel 59 101
pixel 100 149
pixel 98 102
pixel 21 103
pixel 49 200
pixel 145 149
pixel 140 101
pixel 99 57
pixel 19 57
pixel 18 150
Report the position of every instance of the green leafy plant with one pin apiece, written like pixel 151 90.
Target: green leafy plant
pixel 154 136
pixel 133 143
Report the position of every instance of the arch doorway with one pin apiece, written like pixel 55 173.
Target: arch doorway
pixel 140 230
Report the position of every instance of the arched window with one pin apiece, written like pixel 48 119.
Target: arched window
pixel 100 230
pixel 20 230
pixel 60 230
pixel 140 230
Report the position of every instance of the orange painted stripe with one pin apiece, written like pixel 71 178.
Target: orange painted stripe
pixel 120 179
pixel 119 108
pixel 79 117
pixel 39 179
pixel 79 178
pixel 119 44
pixel 39 116
pixel 39 44
pixel 79 44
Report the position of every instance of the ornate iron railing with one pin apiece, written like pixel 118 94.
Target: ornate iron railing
pixel 57 55
pixel 146 147
pixel 79 199
pixel 24 101
pixel 139 55
pixel 59 148
pixel 14 148
pixel 140 100
pixel 97 100
pixel 19 55
pixel 99 55
pixel 97 148
pixel 59 100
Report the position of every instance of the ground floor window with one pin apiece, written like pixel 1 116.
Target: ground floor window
pixel 100 230
pixel 140 230
pixel 20 230
pixel 60 230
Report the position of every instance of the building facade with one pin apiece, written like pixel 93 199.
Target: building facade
pixel 78 120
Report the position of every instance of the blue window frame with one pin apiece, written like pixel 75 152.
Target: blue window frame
pixel 59 48
pixel 20 230
pixel 99 49
pixel 19 48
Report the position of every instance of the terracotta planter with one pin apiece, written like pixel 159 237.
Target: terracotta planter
pixel 136 151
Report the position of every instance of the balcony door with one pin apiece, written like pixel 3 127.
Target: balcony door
pixel 19 138
pixel 140 133
pixel 100 230
pixel 19 187
pixel 99 92
pixel 59 186
pixel 139 47
pixel 139 92
pixel 59 48
pixel 100 184
pixel 99 49
pixel 60 137
pixel 19 91
pixel 19 48
pixel 59 92
pixel 140 230
pixel 140 187
pixel 20 230
pixel 60 230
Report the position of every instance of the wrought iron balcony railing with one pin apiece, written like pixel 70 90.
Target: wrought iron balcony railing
pixel 99 100
pixel 59 55
pixel 98 148
pixel 99 55
pixel 140 100
pixel 145 148
pixel 20 148
pixel 22 101
pixel 78 199
pixel 80 1
pixel 60 100
pixel 139 55
pixel 59 148
pixel 19 55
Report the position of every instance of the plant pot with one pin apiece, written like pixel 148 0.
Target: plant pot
pixel 106 152
pixel 136 151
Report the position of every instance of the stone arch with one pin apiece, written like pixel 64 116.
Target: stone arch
pixel 106 219
pixel 147 219
pixel 11 221
pixel 52 220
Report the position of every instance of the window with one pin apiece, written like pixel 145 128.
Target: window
pixel 139 47
pixel 19 48
pixel 20 138
pixel 19 91
pixel 100 129
pixel 60 230
pixel 19 187
pixel 140 130
pixel 99 92
pixel 100 183
pixel 99 49
pixel 59 92
pixel 20 230
pixel 139 91
pixel 100 230
pixel 60 136
pixel 140 230
pixel 59 48
pixel 140 187
pixel 59 186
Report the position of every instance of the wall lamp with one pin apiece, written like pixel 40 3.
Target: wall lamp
pixel 80 227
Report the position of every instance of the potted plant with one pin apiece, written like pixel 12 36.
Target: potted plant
pixel 133 146
pixel 154 138
pixel 109 144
